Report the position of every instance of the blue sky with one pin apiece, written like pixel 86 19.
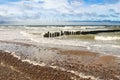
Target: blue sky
pixel 33 11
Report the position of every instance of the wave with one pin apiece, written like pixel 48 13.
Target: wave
pixel 116 46
pixel 24 33
pixel 107 38
pixel 63 69
pixel 51 66
pixel 28 35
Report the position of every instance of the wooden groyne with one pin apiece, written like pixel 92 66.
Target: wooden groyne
pixel 75 32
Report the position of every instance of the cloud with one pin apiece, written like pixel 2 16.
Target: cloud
pixel 75 3
pixel 60 10
pixel 101 2
pixel 111 1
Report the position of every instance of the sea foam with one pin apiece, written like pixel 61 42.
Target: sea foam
pixel 107 38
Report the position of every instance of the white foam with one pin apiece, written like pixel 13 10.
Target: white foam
pixel 7 51
pixel 75 73
pixel 13 54
pixel 33 62
pixel 34 40
pixel 97 45
pixel 27 35
pixel 56 67
pixel 107 38
pixel 89 48
pixel 83 75
pixel 26 60
pixel 116 46
pixel 117 76
pixel 24 33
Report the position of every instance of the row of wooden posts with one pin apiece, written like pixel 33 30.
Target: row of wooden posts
pixel 84 32
pixel 60 33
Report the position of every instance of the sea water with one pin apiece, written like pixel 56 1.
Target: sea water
pixel 106 43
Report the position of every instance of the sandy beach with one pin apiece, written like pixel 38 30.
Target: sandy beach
pixel 77 65
pixel 13 69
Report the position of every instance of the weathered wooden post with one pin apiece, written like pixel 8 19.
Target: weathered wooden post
pixel 48 34
pixel 61 33
pixel 54 34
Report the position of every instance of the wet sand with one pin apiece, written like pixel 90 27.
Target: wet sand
pixel 12 68
pixel 78 65
pixel 104 67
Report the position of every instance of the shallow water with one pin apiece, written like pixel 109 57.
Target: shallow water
pixel 40 52
pixel 107 43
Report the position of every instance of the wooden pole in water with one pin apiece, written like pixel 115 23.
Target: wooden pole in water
pixel 52 34
pixel 55 34
pixel 69 32
pixel 60 33
pixel 63 32
pixel 72 33
pixel 48 34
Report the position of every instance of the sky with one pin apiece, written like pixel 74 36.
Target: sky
pixel 48 11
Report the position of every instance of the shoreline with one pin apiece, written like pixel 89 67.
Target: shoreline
pixel 26 55
pixel 28 71
pixel 55 47
pixel 76 64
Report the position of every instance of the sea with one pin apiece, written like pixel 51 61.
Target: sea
pixel 104 43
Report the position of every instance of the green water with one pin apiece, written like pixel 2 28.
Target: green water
pixel 110 34
pixel 83 37
pixel 91 36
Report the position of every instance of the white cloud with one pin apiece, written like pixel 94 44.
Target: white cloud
pixel 58 10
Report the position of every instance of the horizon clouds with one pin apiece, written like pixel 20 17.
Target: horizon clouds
pixel 59 10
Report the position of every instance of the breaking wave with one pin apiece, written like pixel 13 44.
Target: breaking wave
pixel 107 38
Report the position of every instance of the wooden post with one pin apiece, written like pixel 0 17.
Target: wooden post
pixel 55 34
pixel 48 34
